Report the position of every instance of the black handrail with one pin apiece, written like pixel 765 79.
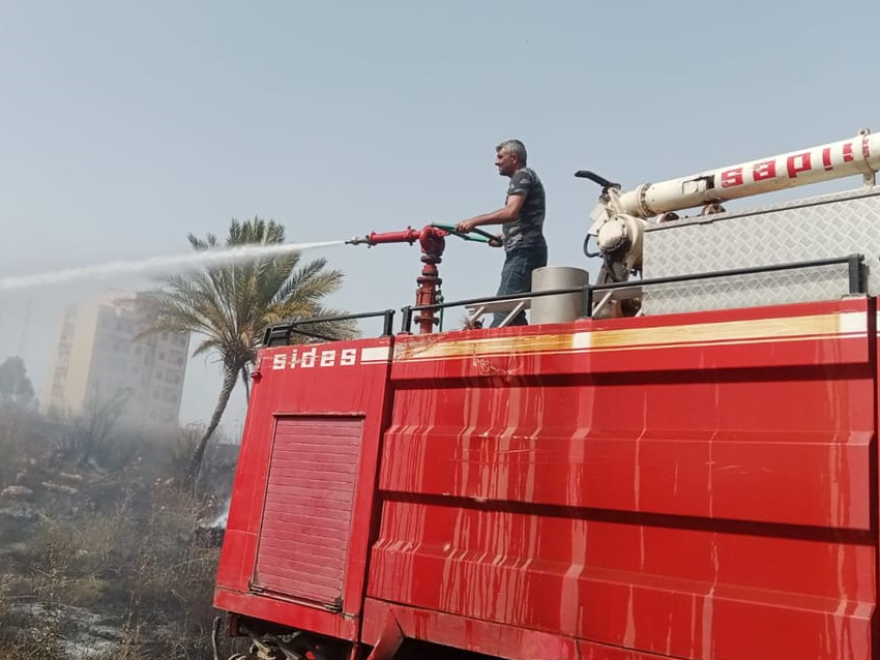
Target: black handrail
pixel 853 261
pixel 280 334
pixel 410 309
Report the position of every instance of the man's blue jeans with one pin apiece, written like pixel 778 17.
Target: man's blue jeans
pixel 516 277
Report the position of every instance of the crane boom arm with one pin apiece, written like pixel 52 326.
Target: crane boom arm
pixel 858 155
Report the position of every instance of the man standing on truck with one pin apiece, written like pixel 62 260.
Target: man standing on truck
pixel 522 223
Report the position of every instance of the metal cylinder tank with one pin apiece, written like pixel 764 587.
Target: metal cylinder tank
pixel 564 307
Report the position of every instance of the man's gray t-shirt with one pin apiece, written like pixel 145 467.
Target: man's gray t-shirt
pixel 527 230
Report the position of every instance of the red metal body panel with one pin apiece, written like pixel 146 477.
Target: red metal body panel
pixel 303 548
pixel 304 386
pixel 691 486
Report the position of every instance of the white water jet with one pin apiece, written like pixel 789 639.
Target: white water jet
pixel 215 257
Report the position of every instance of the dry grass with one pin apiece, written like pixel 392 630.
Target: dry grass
pixel 120 546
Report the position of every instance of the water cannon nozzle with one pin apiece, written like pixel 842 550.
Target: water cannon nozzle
pixel 358 240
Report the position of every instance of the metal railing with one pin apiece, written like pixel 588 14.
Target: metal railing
pixel 281 333
pixel 854 264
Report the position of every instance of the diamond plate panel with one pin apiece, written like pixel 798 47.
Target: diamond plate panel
pixel 817 228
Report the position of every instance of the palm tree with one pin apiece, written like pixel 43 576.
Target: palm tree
pixel 230 306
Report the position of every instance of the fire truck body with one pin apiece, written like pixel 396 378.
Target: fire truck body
pixel 680 484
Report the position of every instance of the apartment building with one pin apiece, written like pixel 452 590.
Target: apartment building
pixel 99 356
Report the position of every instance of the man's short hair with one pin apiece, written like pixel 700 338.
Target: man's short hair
pixel 514 147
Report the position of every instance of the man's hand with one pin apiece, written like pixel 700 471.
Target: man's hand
pixel 466 226
pixel 495 241
pixel 508 213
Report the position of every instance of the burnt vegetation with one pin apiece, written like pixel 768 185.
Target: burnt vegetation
pixel 106 550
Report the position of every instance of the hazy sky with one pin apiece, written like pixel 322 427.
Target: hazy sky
pixel 124 126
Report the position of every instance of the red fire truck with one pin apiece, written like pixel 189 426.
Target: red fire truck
pixel 681 464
